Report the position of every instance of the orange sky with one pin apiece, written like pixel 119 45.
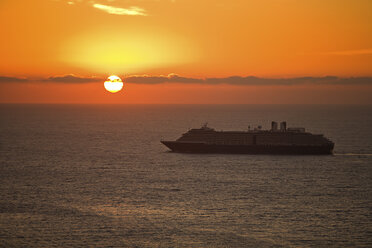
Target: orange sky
pixel 192 38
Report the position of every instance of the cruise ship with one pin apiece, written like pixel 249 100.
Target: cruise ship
pixel 280 140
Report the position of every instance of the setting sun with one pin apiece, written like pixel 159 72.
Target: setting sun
pixel 113 84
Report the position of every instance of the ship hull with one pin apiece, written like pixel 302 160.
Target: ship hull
pixel 199 147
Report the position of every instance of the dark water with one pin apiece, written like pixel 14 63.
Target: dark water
pixel 86 176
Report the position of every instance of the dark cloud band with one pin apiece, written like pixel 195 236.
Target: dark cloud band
pixel 12 79
pixel 56 79
pixel 236 80
pixel 173 78
pixel 73 79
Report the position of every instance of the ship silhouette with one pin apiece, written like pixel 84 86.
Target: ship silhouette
pixel 281 140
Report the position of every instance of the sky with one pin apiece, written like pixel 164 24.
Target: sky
pixel 186 51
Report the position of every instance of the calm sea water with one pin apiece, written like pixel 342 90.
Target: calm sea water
pixel 97 175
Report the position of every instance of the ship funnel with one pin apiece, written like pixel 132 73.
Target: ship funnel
pixel 283 126
pixel 274 126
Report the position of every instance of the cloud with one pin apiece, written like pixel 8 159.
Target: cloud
pixel 133 11
pixel 250 80
pixel 72 79
pixel 174 78
pixel 12 79
pixel 56 79
pixel 171 78
pixel 71 2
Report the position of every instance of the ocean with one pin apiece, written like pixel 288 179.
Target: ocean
pixel 98 176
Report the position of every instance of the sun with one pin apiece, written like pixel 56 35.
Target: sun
pixel 113 84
